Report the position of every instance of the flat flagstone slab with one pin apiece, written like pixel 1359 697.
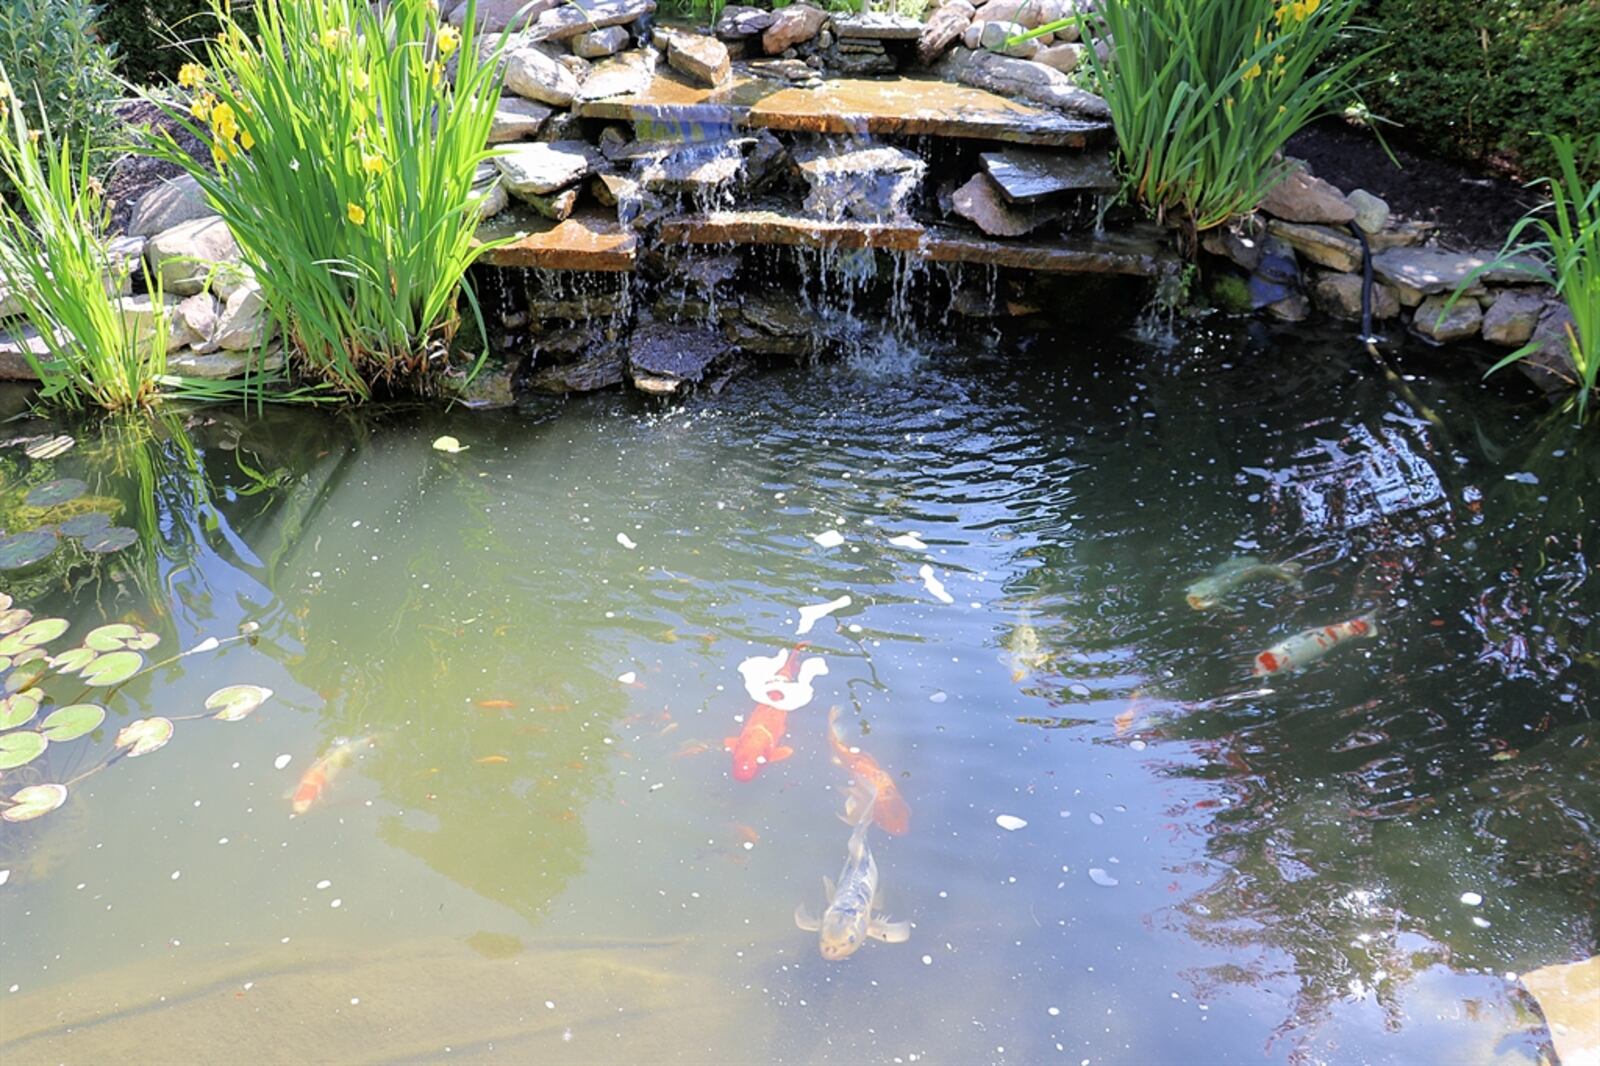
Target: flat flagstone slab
pixel 589 240
pixel 773 227
pixel 1026 177
pixel 890 106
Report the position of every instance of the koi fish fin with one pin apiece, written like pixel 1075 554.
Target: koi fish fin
pixel 889 932
pixel 806 920
pixel 780 754
pixel 827 886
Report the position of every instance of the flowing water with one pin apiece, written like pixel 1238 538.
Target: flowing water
pixel 1121 848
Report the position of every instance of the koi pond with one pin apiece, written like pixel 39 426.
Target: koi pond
pixel 417 752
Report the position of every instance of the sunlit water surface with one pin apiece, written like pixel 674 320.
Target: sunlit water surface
pixel 542 856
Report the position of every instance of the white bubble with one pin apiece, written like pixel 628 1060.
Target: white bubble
pixel 1471 899
pixel 1010 822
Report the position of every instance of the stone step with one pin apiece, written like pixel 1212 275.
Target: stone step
pixel 592 239
pixel 902 106
pixel 1136 251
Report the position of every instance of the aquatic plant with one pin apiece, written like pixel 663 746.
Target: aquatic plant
pixel 38 518
pixel 345 149
pixel 1565 253
pixel 1205 93
pixel 109 657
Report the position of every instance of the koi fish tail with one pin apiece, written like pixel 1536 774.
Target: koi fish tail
pixel 859 801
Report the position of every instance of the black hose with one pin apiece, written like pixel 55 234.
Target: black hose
pixel 1367 337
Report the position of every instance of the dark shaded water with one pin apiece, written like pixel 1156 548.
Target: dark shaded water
pixel 542 855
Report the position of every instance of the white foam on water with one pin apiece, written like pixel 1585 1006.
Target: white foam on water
pixel 909 540
pixel 628 678
pixel 626 541
pixel 829 538
pixel 811 615
pixel 934 585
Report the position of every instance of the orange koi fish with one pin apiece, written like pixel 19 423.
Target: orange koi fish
pixel 890 811
pixel 758 742
pixel 321 773
pixel 495 705
pixel 1302 649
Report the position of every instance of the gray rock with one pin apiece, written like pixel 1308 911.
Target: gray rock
pixel 979 202
pixel 738 21
pixel 16 344
pixel 1460 322
pixel 972 34
pixel 492 193
pixel 1512 318
pixel 1019 78
pixel 223 365
pixel 574 18
pixel 1340 295
pixel 825 39
pixel 533 74
pixel 197 316
pixel 943 29
pixel 540 169
pixel 173 202
pixel 579 67
pixel 701 59
pixel 1549 365
pixel 995 33
pixel 563 126
pixel 1322 245
pixel 244 323
pixel 1292 308
pixel 790 26
pixel 1063 57
pixel 612 189
pixel 1299 197
pixel 139 317
pixel 877 27
pixel 1026 176
pixel 868 183
pixel 1372 212
pixel 1432 270
pixel 597 44
pixel 621 75
pixel 672 357
pixel 557 206
pixel 497 15
pixel 601 369
pixel 517 119
pixel 184 256
pixel 1239 241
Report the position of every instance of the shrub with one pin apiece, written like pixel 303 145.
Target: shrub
pixel 1204 94
pixel 145 32
pixel 345 161
pixel 1477 80
pixel 50 51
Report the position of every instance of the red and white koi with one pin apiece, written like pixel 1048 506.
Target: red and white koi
pixel 1302 649
pixel 316 780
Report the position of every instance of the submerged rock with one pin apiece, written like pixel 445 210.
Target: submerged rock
pixel 540 169
pixel 979 201
pixel 869 183
pixel 601 369
pixel 790 26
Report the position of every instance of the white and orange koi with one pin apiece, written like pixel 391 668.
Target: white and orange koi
pixel 1302 649
pixel 315 781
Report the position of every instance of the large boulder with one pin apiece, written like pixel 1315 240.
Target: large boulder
pixel 174 201
pixel 1299 197
pixel 540 169
pixel 497 15
pixel 185 256
pixel 533 74
pixel 573 18
pixel 1511 320
pixel 1022 79
pixel 701 59
pixel 790 26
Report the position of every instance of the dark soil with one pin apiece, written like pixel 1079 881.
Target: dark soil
pixel 132 175
pixel 1473 208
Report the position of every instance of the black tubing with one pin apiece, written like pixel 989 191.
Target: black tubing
pixel 1367 337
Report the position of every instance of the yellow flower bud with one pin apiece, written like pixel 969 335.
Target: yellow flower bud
pixel 355 213
pixel 449 40
pixel 372 164
pixel 191 75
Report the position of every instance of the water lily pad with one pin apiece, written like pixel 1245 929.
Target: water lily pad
pixel 70 662
pixel 51 493
pixel 25 549
pixel 20 748
pixel 24 676
pixel 32 802
pixel 236 701
pixel 49 447
pixel 144 736
pixel 18 709
pixel 85 524
pixel 40 631
pixel 14 619
pixel 109 539
pixel 70 723
pixel 449 445
pixel 113 668
pixel 113 637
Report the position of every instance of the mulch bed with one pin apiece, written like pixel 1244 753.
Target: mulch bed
pixel 1474 209
pixel 132 175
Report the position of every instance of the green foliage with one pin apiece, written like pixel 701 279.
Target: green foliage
pixel 1477 80
pixel 50 51
pixel 1204 94
pixel 1567 238
pixel 145 33
pixel 345 167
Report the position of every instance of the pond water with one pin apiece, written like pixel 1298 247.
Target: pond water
pixel 1121 846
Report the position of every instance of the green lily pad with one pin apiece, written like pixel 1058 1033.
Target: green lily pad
pixel 144 736
pixel 51 493
pixel 18 709
pixel 113 668
pixel 25 549
pixel 236 701
pixel 113 637
pixel 144 641
pixel 40 631
pixel 70 662
pixel 32 802
pixel 70 723
pixel 20 748
pixel 85 524
pixel 49 447
pixel 26 675
pixel 110 539
pixel 14 619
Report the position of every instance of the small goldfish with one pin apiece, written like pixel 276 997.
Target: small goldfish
pixel 1208 591
pixel 315 781
pixel 491 760
pixel 891 811
pixel 848 922
pixel 1305 648
pixel 496 705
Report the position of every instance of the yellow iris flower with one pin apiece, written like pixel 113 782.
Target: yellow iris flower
pixel 355 213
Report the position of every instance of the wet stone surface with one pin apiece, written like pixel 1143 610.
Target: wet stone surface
pixel 860 182
pixel 1026 177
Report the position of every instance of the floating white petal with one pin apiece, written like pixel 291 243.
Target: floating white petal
pixel 1010 822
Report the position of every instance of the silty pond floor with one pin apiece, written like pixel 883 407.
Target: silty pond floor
pixel 502 679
